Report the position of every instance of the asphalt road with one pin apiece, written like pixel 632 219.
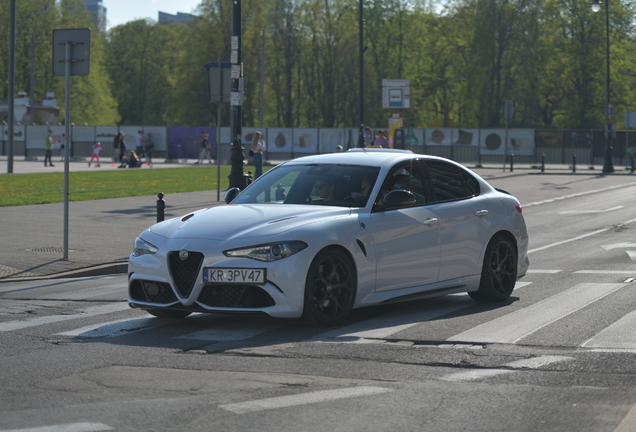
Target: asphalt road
pixel 560 355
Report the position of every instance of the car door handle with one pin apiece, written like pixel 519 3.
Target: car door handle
pixel 430 221
pixel 481 213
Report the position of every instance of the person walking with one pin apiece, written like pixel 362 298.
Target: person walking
pixel 95 156
pixel 139 143
pixel 62 142
pixel 381 140
pixel 148 146
pixel 48 148
pixel 205 148
pixel 120 148
pixel 259 150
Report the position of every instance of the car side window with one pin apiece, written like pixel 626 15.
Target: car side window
pixel 406 177
pixel 448 182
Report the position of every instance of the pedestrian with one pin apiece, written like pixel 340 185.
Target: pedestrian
pixel 148 146
pixel 338 148
pixel 139 143
pixel 95 156
pixel 205 148
pixel 62 142
pixel 258 148
pixel 367 136
pixel 130 161
pixel 381 140
pixel 119 145
pixel 48 148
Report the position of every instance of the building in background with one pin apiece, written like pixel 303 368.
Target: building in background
pixel 180 17
pixel 98 12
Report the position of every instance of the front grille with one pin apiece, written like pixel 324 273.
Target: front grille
pixel 184 272
pixel 235 296
pixel 152 292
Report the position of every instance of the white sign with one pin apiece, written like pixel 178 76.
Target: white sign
pixel 396 93
pixel 235 42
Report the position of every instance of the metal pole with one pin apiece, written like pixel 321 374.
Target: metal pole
pixel 32 80
pixel 218 134
pixel 608 165
pixel 237 176
pixel 361 70
pixel 67 145
pixel 262 89
pixel 505 144
pixel 11 87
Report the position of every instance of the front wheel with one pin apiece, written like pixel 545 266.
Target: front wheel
pixel 499 272
pixel 330 289
pixel 167 313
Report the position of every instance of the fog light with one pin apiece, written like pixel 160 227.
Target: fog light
pixel 151 289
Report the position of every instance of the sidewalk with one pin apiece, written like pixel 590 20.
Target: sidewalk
pixel 102 232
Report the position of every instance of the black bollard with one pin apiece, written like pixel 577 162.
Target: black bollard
pixel 632 171
pixel 573 162
pixel 512 162
pixel 161 208
pixel 542 162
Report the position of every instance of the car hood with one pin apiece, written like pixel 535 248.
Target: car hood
pixel 245 221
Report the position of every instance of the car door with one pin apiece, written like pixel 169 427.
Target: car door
pixel 407 246
pixel 464 218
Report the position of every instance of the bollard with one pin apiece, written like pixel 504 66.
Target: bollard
pixel 512 162
pixel 161 207
pixel 542 162
pixel 573 162
pixel 632 171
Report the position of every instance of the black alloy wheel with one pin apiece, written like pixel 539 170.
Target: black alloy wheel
pixel 499 272
pixel 330 289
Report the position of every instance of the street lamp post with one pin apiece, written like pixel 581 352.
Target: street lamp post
pixel 610 112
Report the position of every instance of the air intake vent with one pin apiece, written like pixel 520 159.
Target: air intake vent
pixel 185 271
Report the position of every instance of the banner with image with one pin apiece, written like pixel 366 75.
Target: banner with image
pixel 305 140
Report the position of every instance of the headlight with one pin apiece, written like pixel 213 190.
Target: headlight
pixel 268 252
pixel 142 247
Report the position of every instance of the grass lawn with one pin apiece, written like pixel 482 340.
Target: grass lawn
pixel 26 189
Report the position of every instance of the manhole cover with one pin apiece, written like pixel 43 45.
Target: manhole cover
pixel 48 250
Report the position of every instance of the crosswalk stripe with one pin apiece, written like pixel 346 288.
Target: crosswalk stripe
pixel 531 363
pixel 620 335
pixel 70 427
pixel 237 331
pixel 90 311
pixel 111 328
pixel 303 399
pixel 517 325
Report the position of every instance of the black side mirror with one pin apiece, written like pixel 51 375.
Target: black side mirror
pixel 398 198
pixel 231 194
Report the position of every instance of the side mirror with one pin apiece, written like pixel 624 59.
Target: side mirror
pixel 398 198
pixel 231 194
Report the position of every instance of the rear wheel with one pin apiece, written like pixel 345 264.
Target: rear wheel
pixel 167 313
pixel 330 289
pixel 499 272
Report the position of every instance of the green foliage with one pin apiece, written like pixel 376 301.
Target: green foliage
pixel 462 61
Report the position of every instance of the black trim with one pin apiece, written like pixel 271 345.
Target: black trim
pixel 422 294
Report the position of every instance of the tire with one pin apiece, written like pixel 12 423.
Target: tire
pixel 330 289
pixel 499 272
pixel 167 313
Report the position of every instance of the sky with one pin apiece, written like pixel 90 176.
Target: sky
pixel 122 11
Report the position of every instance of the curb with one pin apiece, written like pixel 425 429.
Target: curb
pixel 99 270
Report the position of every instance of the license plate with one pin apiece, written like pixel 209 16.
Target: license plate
pixel 234 275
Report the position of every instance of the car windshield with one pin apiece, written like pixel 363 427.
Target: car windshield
pixel 313 184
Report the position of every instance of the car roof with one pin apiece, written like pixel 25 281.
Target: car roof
pixel 363 156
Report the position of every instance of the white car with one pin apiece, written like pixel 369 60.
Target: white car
pixel 318 236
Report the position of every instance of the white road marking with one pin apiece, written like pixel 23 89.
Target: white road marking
pixel 515 326
pixel 88 312
pixel 618 246
pixel 539 271
pixel 577 238
pixel 578 194
pixel 532 363
pixel 112 328
pixel 620 335
pixel 629 422
pixel 302 399
pixel 237 331
pixel 590 211
pixel 606 272
pixel 70 427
